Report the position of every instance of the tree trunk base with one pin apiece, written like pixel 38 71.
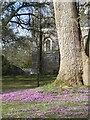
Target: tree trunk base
pixel 86 72
pixel 68 80
pixel 86 69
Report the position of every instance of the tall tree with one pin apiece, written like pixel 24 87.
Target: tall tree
pixel 71 63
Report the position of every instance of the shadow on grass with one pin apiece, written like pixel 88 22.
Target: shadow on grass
pixel 12 83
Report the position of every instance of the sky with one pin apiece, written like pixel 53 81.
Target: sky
pixel 23 32
pixel 18 29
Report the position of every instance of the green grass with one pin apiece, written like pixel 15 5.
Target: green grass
pixel 11 83
pixel 23 110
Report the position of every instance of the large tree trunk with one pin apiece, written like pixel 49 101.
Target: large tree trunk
pixel 86 61
pixel 87 44
pixel 69 43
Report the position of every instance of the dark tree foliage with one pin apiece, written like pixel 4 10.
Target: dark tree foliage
pixel 9 69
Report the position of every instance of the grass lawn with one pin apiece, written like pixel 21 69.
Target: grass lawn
pixel 46 101
pixel 12 83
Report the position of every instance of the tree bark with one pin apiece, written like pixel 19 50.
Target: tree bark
pixel 86 61
pixel 71 69
pixel 87 44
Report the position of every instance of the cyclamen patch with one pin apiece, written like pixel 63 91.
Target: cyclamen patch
pixel 39 95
